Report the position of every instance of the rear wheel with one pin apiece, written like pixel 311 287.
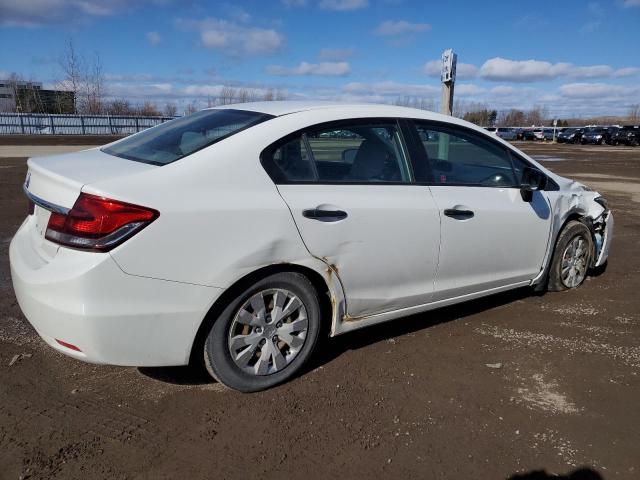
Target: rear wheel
pixel 265 335
pixel 572 257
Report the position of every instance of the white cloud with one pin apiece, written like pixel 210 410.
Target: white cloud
pixel 294 3
pixel 504 70
pixel 468 89
pixel 631 3
pixel 627 71
pixel 400 27
pixel 154 38
pixel 598 90
pixel 343 5
pixel 335 53
pixel 34 13
pixel 329 69
pixel 234 39
pixel 501 69
pixel 463 70
pixel 391 89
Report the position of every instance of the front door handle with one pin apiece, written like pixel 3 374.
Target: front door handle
pixel 324 215
pixel 459 213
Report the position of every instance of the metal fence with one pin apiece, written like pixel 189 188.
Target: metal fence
pixel 45 124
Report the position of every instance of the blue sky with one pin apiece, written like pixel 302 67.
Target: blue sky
pixel 574 57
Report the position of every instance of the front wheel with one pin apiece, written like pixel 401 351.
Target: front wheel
pixel 264 336
pixel 572 257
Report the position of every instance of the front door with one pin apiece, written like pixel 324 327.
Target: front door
pixel 490 236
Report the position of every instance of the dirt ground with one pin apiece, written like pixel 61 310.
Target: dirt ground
pixel 504 386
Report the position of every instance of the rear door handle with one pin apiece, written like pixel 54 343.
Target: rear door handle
pixel 459 213
pixel 324 215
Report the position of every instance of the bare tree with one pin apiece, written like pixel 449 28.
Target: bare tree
pixel 227 95
pixel 148 109
pixel 511 118
pixel 72 67
pixel 537 115
pixel 170 109
pixel 119 106
pixel 94 87
pixel 268 95
pixel 634 113
pixel 84 78
pixel 191 108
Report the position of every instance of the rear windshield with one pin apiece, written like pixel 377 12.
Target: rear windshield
pixel 183 136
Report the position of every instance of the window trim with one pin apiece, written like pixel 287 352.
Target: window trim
pixel 266 156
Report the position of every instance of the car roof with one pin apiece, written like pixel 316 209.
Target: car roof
pixel 285 107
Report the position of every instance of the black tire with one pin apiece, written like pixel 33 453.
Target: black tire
pixel 571 230
pixel 218 360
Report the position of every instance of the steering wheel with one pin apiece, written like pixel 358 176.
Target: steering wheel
pixel 496 179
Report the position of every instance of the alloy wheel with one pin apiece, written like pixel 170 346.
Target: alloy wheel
pixel 268 331
pixel 574 262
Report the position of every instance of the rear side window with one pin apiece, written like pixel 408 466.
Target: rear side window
pixel 358 152
pixel 462 157
pixel 178 138
pixel 293 162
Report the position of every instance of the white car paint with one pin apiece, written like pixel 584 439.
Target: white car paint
pixel 222 218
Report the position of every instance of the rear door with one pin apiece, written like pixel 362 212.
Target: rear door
pixel 490 237
pixel 349 188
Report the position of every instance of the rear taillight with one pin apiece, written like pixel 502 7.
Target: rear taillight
pixel 98 223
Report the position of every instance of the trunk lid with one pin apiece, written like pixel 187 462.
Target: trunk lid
pixel 58 179
pixel 54 184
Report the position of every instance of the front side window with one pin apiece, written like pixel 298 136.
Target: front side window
pixel 463 157
pixel 178 138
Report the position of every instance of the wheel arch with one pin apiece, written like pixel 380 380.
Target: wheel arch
pixel 573 215
pixel 326 300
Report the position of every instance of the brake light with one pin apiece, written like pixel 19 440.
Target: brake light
pixel 98 223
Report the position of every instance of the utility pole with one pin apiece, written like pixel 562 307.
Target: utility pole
pixel 448 78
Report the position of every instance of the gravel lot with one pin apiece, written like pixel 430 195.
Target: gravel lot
pixel 497 388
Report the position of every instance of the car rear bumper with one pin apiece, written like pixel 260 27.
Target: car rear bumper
pixel 84 299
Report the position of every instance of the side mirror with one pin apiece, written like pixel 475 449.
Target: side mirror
pixel 532 180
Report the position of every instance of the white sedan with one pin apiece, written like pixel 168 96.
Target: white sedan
pixel 236 235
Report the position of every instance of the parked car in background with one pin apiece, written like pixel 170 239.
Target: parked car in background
pixel 506 133
pixel 612 132
pixel 627 135
pixel 519 133
pixel 596 135
pixel 570 135
pixel 532 134
pixel 227 236
pixel 548 135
